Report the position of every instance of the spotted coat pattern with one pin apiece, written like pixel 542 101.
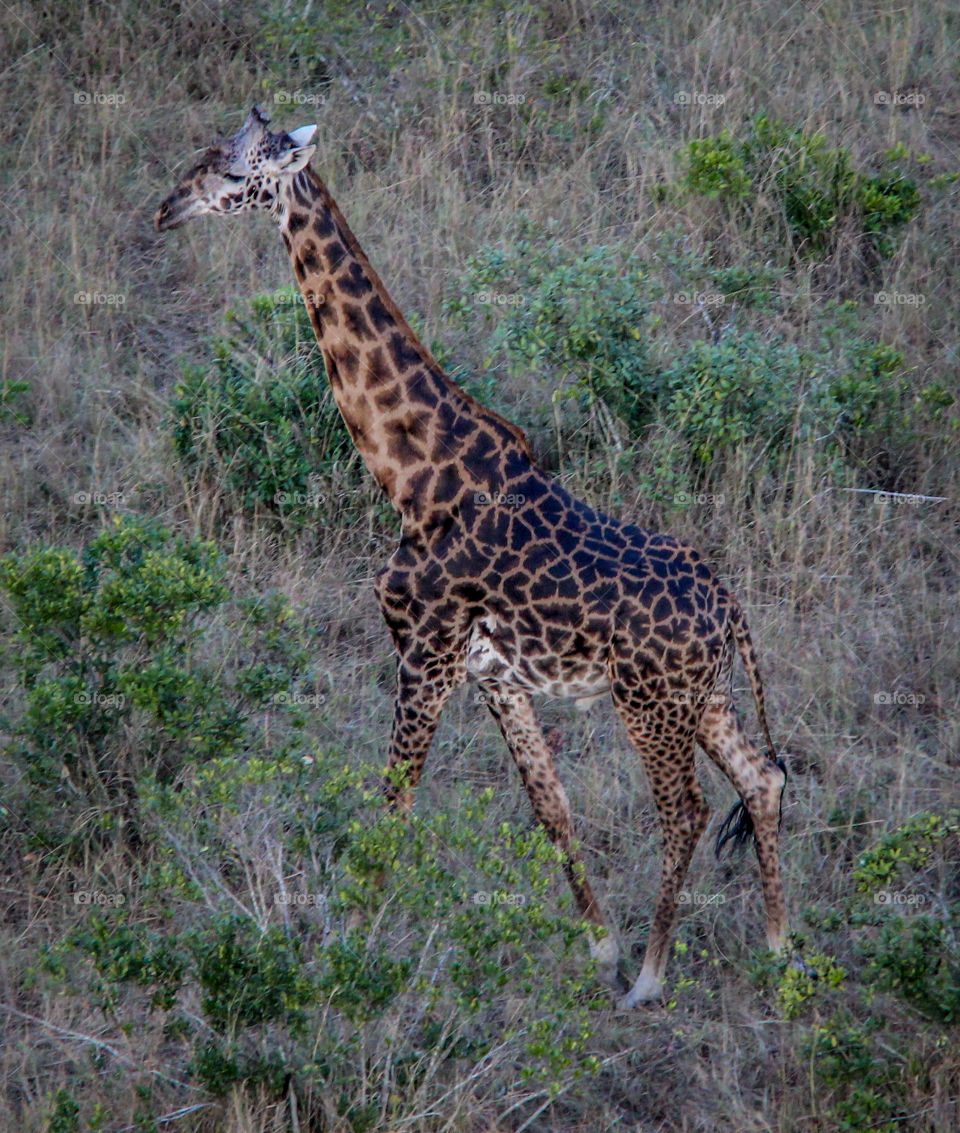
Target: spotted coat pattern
pixel 501 575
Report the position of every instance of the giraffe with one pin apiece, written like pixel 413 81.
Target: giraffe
pixel 502 576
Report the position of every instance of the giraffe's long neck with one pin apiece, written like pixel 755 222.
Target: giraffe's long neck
pixel 424 439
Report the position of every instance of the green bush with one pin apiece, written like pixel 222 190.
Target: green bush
pixel 423 942
pixel 901 951
pixel 582 326
pixel 812 186
pixel 578 318
pixel 114 687
pixel 258 420
pixel 915 956
pixel 720 395
pixel 850 1060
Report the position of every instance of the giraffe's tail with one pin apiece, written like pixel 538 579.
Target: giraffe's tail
pixel 738 825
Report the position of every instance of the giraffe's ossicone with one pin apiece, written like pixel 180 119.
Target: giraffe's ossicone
pixel 501 575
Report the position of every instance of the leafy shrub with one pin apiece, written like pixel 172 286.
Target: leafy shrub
pixel 910 847
pixel 812 186
pixel 424 943
pixel 579 318
pixel 259 420
pixel 10 393
pixel 581 325
pixel 863 408
pixel 114 689
pixel 903 952
pixel 849 1060
pixel 65 1117
pixel 720 395
pixel 850 400
pixel 918 959
pixel 916 956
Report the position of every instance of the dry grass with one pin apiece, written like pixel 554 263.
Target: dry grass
pixel 847 596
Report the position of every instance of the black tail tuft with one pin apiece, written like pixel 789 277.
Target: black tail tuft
pixel 737 828
pixel 738 825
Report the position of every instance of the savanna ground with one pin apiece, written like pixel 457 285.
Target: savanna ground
pixel 706 254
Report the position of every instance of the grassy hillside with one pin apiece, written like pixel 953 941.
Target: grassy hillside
pixel 705 254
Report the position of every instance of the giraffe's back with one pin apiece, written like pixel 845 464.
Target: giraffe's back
pixel 564 586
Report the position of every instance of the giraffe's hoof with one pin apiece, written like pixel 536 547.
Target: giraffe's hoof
pixel 614 977
pixel 606 954
pixel 620 982
pixel 645 990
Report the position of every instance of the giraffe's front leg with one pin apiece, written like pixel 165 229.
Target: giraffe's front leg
pixel 424 685
pixel 423 688
pixel 513 711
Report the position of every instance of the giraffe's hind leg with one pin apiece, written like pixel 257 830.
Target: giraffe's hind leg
pixel 759 782
pixel 668 757
pixel 513 711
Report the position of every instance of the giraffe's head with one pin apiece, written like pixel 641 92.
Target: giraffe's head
pixel 238 173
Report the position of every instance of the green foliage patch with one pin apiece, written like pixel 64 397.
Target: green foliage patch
pixel 586 329
pixel 257 418
pixel 115 684
pixel 415 944
pixel 907 948
pixel 809 191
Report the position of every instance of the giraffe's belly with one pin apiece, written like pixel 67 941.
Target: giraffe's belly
pixel 493 654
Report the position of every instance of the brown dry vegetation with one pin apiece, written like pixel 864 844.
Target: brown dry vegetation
pixel 847 597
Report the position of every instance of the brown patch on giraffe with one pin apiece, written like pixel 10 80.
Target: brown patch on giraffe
pixel 379 316
pixel 389 399
pixel 353 281
pixel 346 360
pixel 308 256
pixel 296 222
pixel 355 322
pixel 334 254
pixel 379 372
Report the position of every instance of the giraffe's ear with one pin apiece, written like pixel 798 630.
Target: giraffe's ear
pixel 295 157
pixel 302 136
